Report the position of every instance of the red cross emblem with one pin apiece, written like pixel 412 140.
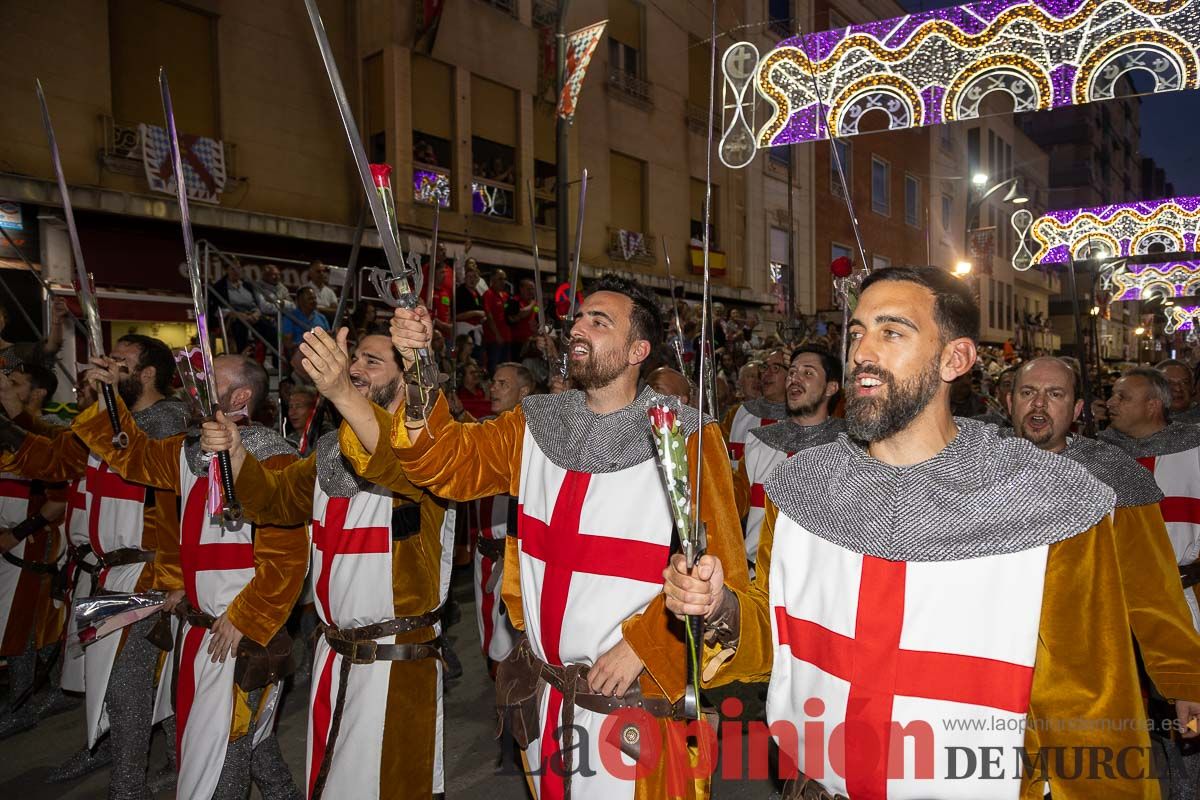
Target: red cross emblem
pixel 1175 508
pixel 877 670
pixel 104 484
pixel 196 557
pixel 332 538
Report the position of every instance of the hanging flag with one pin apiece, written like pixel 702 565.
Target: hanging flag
pixel 203 163
pixel 428 17
pixel 580 46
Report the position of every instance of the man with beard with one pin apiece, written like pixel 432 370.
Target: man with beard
pixel 594 533
pixel 133 533
pixel 1139 424
pixel 813 383
pixel 1183 386
pixel 493 520
pixel 769 407
pixel 381 569
pixel 1045 403
pixel 241 581
pixel 922 572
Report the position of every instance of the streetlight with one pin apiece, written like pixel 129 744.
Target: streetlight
pixel 1139 330
pixel 962 269
pixel 978 181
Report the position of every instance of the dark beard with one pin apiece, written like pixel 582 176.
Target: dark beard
pixel 808 409
pixel 383 396
pixel 1043 439
pixel 130 389
pixel 594 373
pixel 871 419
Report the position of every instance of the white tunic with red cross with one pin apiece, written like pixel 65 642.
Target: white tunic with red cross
pixel 490 520
pixel 18 587
pixel 1178 476
pixel 352 587
pixel 217 563
pixel 744 421
pixel 592 550
pixel 761 461
pixel 115 520
pixel 908 659
pixel 79 581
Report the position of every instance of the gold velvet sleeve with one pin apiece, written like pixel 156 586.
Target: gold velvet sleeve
pixel 459 461
pixel 751 661
pixel 510 583
pixel 280 563
pixel 1158 613
pixel 655 635
pixel 161 534
pixel 39 426
pixel 1085 691
pixel 277 496
pixel 384 467
pixel 741 489
pixel 149 462
pixel 727 422
pixel 62 458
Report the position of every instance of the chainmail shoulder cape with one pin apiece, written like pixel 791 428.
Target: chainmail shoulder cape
pixel 765 409
pixel 334 474
pixel 1191 416
pixel 1132 482
pixel 982 495
pixel 788 437
pixel 259 440
pixel 574 438
pixel 165 418
pixel 992 418
pixel 1175 438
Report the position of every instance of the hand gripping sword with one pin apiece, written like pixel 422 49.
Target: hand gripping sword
pixel 570 320
pixel 83 280
pixel 397 292
pixel 232 509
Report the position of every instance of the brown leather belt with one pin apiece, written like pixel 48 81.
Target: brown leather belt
pixel 36 567
pixel 1190 574
pixel 122 557
pixel 807 789
pixel 359 646
pixel 491 549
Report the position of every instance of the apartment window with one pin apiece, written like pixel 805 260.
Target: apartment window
pixel 697 212
pixel 144 35
pixel 881 190
pixel 433 94
pixel 947 211
pixel 625 36
pixel 779 246
pixel 779 14
pixel 627 192
pixel 493 149
pixel 912 201
pixel 844 155
pixel 880 262
pixel 545 161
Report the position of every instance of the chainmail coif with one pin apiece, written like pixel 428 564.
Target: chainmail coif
pixel 788 437
pixel 1175 438
pixel 1132 482
pixel 575 438
pixel 981 495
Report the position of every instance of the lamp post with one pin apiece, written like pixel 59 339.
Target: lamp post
pixel 979 187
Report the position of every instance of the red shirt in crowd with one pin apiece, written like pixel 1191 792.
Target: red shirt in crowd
pixel 493 304
pixel 522 330
pixel 477 403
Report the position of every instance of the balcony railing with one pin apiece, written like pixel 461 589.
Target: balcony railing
pixel 631 88
pixel 631 246
pixel 122 152
pixel 697 119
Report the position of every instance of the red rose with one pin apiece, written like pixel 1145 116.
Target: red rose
pixel 196 359
pixel 662 417
pixel 382 173
pixel 841 267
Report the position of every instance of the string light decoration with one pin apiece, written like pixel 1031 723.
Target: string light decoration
pixel 938 66
pixel 1181 318
pixel 1166 281
pixel 1122 229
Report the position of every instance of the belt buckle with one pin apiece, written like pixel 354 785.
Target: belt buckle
pixel 369 645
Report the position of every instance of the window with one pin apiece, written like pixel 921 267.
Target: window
pixel 698 74
pixel 493 149
pixel 625 37
pixel 779 246
pixel 545 160
pixel 779 14
pixel 627 192
pixel 880 262
pixel 697 212
pixel 844 155
pixel 947 211
pixel 144 35
pixel 881 194
pixel 912 201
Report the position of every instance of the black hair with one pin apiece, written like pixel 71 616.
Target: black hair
pixel 41 377
pixel 251 375
pixel 646 320
pixel 153 353
pixel 954 306
pixel 831 365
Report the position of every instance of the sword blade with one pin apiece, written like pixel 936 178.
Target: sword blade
pixel 674 309
pixel 578 247
pixel 391 248
pixel 87 297
pixel 537 267
pixel 433 247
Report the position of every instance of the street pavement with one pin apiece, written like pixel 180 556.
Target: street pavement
pixel 473 768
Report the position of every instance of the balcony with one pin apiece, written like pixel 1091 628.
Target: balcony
pixel 630 88
pixel 631 247
pixel 697 120
pixel 493 199
pixel 545 13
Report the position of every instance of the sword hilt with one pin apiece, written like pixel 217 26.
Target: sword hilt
pixel 232 508
pixel 120 438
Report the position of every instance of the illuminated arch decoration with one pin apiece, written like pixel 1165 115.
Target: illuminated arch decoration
pixel 1043 54
pixel 1143 281
pixel 1124 229
pixel 1181 318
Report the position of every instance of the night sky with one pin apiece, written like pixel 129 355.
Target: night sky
pixel 1168 124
